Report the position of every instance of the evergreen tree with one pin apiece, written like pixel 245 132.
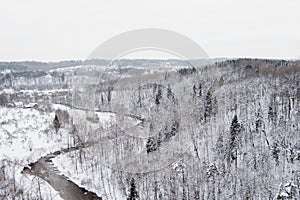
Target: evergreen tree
pixel 169 93
pixel 235 129
pixel 200 90
pixel 194 90
pixel 153 143
pixel 215 107
pixel 170 132
pixel 56 123
pixel 133 194
pixel 275 152
pixel 158 96
pixel 208 105
pixel 109 93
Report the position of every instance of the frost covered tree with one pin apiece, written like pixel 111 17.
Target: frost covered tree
pixel 133 194
pixel 208 105
pixel 243 123
pixel 235 130
pixel 153 143
pixel 56 123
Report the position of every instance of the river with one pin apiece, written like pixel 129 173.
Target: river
pixel 68 190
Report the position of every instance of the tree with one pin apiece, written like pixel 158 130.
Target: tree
pixel 214 107
pixel 170 93
pixel 197 90
pixel 153 143
pixel 3 99
pixel 133 194
pixel 56 123
pixel 109 94
pixel 158 96
pixel 235 129
pixel 208 105
pixel 275 152
pixel 194 90
pixel 170 132
pixel 200 90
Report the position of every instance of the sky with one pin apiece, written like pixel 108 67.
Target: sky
pixel 70 30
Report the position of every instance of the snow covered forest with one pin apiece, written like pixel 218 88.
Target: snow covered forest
pixel 150 129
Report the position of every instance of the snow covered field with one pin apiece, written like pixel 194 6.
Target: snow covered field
pixel 25 136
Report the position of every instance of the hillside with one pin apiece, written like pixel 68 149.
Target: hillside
pixel 146 129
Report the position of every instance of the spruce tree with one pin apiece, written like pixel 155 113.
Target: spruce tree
pixel 153 143
pixel 158 96
pixel 56 123
pixel 208 105
pixel 235 129
pixel 133 194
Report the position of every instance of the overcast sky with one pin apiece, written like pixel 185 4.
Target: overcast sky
pixel 71 29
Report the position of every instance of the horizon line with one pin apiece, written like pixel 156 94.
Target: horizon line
pixel 162 59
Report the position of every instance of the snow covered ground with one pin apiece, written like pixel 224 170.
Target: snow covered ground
pixel 25 136
pixel 89 174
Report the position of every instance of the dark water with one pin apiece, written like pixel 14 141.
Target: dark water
pixel 68 190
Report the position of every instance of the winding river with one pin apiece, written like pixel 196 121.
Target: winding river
pixel 68 190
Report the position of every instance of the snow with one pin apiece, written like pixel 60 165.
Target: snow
pixel 76 68
pixel 28 136
pixel 6 71
pixel 15 127
pixel 89 177
pixel 12 91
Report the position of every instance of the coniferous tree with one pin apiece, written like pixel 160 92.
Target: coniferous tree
pixel 235 129
pixel 109 93
pixel 194 90
pixel 169 93
pixel 200 90
pixel 215 107
pixel 133 194
pixel 153 143
pixel 56 123
pixel 208 105
pixel 158 95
